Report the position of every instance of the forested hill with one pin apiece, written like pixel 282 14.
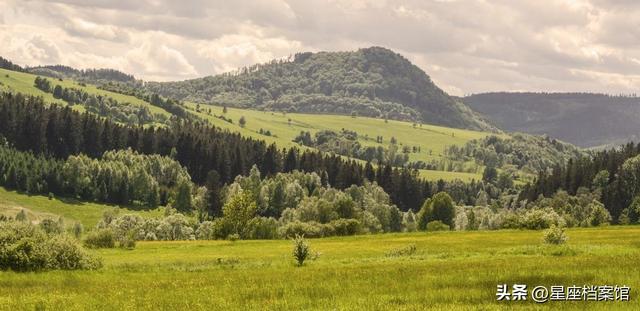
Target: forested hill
pixel 373 82
pixel 583 119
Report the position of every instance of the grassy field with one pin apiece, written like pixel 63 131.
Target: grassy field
pixel 23 83
pixel 432 139
pixel 40 207
pixel 448 271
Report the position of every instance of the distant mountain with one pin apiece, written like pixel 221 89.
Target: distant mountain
pixel 586 120
pixel 374 82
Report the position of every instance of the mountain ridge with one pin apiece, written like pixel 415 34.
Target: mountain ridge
pixel 584 119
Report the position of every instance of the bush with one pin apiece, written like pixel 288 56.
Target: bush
pixel 295 228
pixel 233 237
pixel 67 254
pixel 101 238
pixel 437 225
pixel 77 230
pixel 24 247
pixel 555 235
pixel 300 249
pixel 403 251
pixel 537 219
pixel 127 241
pixel 345 226
pixel 262 228
pixel 51 226
pixel 205 231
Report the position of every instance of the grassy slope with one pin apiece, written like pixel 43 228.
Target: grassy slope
pixel 39 207
pixel 428 137
pixel 23 83
pixel 449 271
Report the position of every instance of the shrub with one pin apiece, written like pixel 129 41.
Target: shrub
pixel 233 237
pixel 77 230
pixel 345 226
pixel 437 225
pixel 66 254
pixel 127 241
pixel 262 228
pixel 51 226
pixel 24 247
pixel 205 231
pixel 300 250
pixel 403 251
pixel 22 216
pixel 536 219
pixel 555 235
pixel 100 238
pixel 295 228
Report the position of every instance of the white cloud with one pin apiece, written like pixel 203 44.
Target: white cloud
pixel 158 62
pixel 466 46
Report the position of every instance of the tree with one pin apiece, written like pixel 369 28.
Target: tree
pixel 214 197
pixel 300 250
pixel 57 91
pixel 242 122
pixel 504 181
pixel 182 201
pixel 224 109
pixel 440 207
pixel 490 174
pixel 238 211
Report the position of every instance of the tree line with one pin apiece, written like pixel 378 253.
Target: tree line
pixel 212 156
pixel 614 174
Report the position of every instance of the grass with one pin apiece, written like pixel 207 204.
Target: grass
pixel 24 83
pixel 39 207
pixel 432 139
pixel 446 271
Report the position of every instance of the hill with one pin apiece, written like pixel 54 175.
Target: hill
pixel 374 82
pixel 583 119
pixel 23 82
pixel 38 207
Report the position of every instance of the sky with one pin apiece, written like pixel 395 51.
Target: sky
pixel 466 47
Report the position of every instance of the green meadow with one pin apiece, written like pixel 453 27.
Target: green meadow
pixel 24 83
pixel 39 207
pixel 447 271
pixel 431 139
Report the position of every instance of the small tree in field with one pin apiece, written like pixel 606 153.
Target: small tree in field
pixel 555 235
pixel 242 122
pixel 300 249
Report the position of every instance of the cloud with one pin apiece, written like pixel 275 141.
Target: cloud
pixel 466 46
pixel 230 52
pixel 158 62
pixel 81 28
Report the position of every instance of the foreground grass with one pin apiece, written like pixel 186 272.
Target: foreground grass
pixel 39 207
pixel 449 271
